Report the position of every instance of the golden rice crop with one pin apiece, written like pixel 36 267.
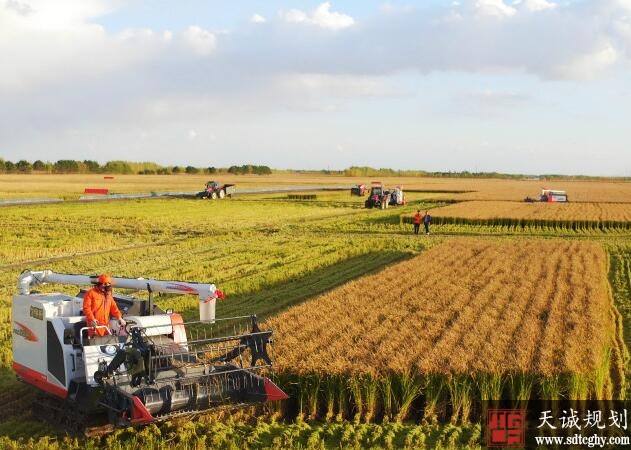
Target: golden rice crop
pixel 460 308
pixel 597 212
pixel 466 322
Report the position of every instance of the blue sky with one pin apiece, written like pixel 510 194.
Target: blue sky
pixel 525 86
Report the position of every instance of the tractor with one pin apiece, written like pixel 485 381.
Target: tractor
pixel 215 190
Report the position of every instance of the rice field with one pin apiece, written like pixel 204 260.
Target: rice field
pixel 589 212
pixel 518 299
pixel 469 310
pixel 383 338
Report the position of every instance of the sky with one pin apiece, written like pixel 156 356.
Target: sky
pixel 516 86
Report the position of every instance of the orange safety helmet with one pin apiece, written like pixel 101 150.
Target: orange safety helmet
pixel 105 278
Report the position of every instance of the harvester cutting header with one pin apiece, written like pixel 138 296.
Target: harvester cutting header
pixel 154 367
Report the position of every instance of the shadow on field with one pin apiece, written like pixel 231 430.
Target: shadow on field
pixel 280 296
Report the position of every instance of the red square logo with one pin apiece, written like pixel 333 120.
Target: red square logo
pixel 505 428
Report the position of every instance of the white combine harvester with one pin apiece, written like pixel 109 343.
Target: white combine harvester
pixel 154 368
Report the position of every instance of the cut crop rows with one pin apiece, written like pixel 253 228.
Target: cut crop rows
pixel 463 321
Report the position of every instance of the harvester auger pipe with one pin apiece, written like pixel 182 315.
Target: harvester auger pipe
pixel 207 292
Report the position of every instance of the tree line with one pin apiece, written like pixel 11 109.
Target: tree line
pixel 150 168
pixel 64 166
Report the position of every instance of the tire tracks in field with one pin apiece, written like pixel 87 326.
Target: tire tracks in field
pixel 51 259
pixel 169 241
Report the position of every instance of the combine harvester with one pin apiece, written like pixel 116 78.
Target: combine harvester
pixel 549 196
pixel 156 367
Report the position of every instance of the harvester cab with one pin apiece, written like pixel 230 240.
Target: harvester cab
pixel 155 367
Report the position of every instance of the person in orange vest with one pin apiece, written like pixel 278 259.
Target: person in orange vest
pixel 99 305
pixel 417 221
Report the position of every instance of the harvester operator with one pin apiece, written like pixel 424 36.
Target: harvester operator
pixel 99 305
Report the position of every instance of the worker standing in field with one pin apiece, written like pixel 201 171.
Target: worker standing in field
pixel 417 221
pixel 99 305
pixel 427 219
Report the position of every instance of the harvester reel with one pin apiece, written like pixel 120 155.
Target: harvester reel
pixel 257 343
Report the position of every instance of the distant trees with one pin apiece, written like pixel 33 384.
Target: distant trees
pixel 91 166
pixel 249 169
pixel 23 166
pixel 66 166
pixel 39 165
pixel 122 167
pixel 9 167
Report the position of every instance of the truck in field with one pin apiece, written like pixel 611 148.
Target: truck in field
pixel 215 190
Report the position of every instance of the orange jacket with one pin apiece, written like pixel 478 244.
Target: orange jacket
pixel 98 306
pixel 417 218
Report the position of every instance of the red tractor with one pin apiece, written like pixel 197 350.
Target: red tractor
pixel 381 198
pixel 378 197
pixel 215 190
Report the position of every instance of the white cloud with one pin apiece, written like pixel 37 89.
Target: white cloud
pixel 257 18
pixel 626 4
pixel 591 65
pixel 494 8
pixel 192 134
pixel 202 41
pixel 535 5
pixel 321 17
pixel 60 14
pixel 24 9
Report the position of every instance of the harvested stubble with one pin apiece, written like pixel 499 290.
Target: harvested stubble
pixel 464 320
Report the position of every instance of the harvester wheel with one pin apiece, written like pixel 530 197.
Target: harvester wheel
pixel 213 196
pixel 222 193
